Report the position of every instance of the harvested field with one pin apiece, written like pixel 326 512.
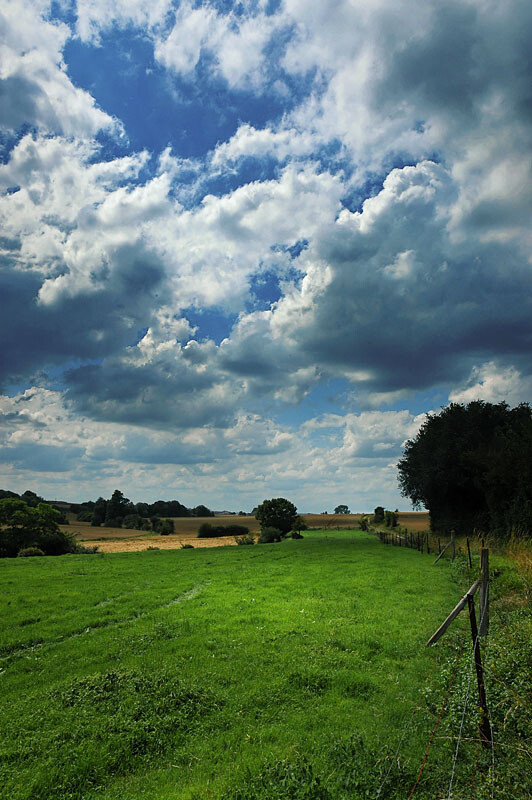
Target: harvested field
pixel 121 540
pixel 414 520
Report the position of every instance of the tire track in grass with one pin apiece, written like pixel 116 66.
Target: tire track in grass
pixel 23 650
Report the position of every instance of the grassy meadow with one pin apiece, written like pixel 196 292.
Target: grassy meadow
pixel 271 672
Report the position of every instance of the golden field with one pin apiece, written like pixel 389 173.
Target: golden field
pixel 114 540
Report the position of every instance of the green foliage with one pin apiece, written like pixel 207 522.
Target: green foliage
pixel 342 509
pixel 270 535
pixel 201 511
pixel 245 539
pixel 281 780
pixel 164 527
pixel 112 522
pixel 208 531
pixel 23 526
pixel 136 522
pixel 30 551
pixel 296 535
pixel 471 467
pixel 98 513
pixel 299 524
pixel 378 515
pixel 117 508
pixel 390 519
pixel 277 513
pixel 363 524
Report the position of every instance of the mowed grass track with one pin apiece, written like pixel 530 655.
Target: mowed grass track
pixel 209 673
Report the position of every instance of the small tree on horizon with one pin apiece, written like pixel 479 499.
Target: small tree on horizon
pixel 342 509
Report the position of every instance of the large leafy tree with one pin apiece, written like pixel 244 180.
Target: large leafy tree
pixel 471 467
pixel 24 526
pixel 277 513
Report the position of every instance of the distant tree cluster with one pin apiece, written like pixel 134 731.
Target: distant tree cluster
pixel 470 466
pixel 120 512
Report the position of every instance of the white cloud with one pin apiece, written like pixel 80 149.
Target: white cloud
pixel 494 383
pixel 36 88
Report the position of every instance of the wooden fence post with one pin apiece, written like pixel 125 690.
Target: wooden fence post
pixel 484 599
pixel 469 554
pixel 484 726
pixel 453 547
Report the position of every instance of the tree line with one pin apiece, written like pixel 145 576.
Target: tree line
pixel 470 466
pixel 119 512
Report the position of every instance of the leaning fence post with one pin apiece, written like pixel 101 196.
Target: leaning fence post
pixel 469 553
pixel 484 726
pixel 484 600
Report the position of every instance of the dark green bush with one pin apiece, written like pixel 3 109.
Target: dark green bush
pixel 378 515
pixel 296 535
pixel 30 551
pixel 164 527
pixel 269 535
pixel 208 531
pixel 113 522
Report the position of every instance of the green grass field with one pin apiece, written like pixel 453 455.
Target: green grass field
pixel 237 673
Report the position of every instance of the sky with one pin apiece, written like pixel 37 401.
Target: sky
pixel 246 247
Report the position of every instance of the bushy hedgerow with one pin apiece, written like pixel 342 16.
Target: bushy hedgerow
pixel 208 531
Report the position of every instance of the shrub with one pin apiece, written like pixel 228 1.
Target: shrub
pixel 246 538
pixel 269 535
pixel 132 522
pixel 299 524
pixel 390 519
pixel 187 547
pixel 378 515
pixel 30 551
pixel 165 527
pixel 296 535
pixel 83 550
pixel 208 531
pixel 363 524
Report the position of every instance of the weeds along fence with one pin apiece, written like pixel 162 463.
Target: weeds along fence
pixel 479 631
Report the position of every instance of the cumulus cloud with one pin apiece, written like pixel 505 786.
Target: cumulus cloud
pixel 389 206
pixel 494 383
pixel 35 88
pixel 45 443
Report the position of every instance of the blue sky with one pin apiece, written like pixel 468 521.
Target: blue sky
pixel 246 248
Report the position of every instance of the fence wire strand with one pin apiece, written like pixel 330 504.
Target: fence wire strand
pixel 438 719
